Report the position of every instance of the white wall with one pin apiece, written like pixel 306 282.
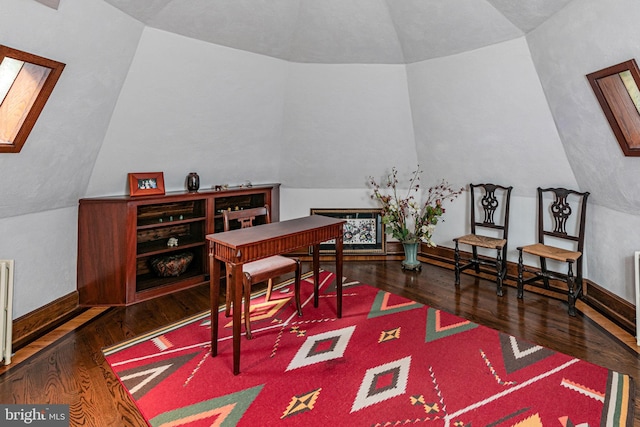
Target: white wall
pixel 479 116
pixel 41 185
pixel 482 116
pixel 344 123
pixel 584 37
pixel 44 246
pixel 613 238
pixel 189 106
pixel 97 44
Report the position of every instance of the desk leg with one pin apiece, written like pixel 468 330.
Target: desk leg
pixel 236 289
pixel 316 274
pixel 214 290
pixel 339 246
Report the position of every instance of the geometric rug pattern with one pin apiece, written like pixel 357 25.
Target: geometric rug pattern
pixel 388 361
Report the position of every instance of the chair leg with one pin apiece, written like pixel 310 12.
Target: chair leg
pixel 499 272
pixel 520 280
pixel 456 258
pixel 572 296
pixel 269 289
pixel 246 284
pixel 545 275
pixel 297 287
pixel 476 261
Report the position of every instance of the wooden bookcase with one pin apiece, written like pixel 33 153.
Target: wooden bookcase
pixel 119 236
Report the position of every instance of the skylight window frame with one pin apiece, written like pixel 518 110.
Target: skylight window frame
pixel 619 103
pixel 41 99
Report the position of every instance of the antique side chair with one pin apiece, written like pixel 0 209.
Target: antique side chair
pixel 488 199
pixel 261 270
pixel 554 224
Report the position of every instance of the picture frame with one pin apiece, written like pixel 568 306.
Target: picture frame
pixel 146 183
pixel 364 231
pixel 616 88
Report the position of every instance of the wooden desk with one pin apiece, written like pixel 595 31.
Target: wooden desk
pixel 237 247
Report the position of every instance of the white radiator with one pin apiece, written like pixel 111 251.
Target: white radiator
pixel 637 264
pixel 6 309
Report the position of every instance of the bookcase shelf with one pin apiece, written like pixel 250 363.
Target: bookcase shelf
pixel 120 236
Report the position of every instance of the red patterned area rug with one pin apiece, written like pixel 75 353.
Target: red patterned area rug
pixel 389 361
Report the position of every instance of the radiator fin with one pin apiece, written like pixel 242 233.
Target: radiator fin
pixel 6 307
pixel 637 268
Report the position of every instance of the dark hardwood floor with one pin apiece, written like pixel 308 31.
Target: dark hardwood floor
pixel 68 367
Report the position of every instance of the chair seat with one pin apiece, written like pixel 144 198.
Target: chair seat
pixel 482 241
pixel 264 268
pixel 552 252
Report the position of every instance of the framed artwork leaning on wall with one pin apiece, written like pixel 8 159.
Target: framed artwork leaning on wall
pixel 363 231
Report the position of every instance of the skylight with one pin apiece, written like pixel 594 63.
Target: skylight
pixel 26 81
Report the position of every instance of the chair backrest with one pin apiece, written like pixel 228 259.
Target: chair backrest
pixel 489 196
pixel 555 206
pixel 246 217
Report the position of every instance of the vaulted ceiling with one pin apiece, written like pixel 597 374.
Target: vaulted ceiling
pixel 346 31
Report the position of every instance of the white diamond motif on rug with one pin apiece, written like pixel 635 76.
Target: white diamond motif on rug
pixel 322 347
pixel 382 382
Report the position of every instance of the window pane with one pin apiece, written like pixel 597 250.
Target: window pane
pixel 19 99
pixel 9 69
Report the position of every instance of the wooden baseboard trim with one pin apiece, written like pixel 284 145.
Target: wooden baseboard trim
pixel 615 308
pixel 38 322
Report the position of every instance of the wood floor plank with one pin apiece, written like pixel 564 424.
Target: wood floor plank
pixel 67 365
pixel 45 341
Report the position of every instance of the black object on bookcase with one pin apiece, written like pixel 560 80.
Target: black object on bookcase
pixel 193 182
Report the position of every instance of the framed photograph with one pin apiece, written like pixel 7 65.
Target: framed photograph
pixel 146 183
pixel 616 88
pixel 363 231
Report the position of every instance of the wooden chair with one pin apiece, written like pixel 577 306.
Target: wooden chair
pixel 261 270
pixel 554 216
pixel 488 202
